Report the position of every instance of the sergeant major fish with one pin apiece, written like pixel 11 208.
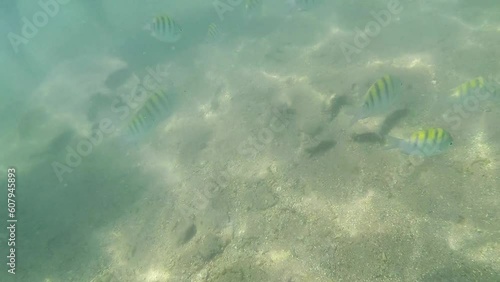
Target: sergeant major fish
pixel 380 97
pixel 213 33
pixel 429 142
pixel 155 109
pixel 477 87
pixel 164 28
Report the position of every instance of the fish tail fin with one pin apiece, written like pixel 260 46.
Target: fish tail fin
pixel 392 142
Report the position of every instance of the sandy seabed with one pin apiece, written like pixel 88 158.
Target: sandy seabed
pixel 257 175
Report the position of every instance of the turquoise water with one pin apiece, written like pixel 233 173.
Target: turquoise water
pixel 248 168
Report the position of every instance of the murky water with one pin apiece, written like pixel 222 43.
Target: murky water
pixel 250 140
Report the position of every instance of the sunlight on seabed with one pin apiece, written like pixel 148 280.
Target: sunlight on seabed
pixel 356 217
pixel 480 152
pixel 466 237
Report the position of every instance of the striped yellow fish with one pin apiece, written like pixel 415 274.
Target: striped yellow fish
pixel 477 87
pixel 154 110
pixel 164 28
pixel 212 33
pixel 425 143
pixel 380 97
pixel 213 30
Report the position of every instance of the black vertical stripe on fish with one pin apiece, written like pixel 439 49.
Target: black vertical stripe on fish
pixel 387 91
pixel 144 119
pixel 158 25
pixel 371 101
pixel 171 26
pixel 150 110
pixel 163 100
pixel 392 86
pixel 377 95
pixel 166 24
pixel 140 121
pixel 155 100
pixel 135 126
pixel 426 135
pixel 155 105
pixel 131 128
